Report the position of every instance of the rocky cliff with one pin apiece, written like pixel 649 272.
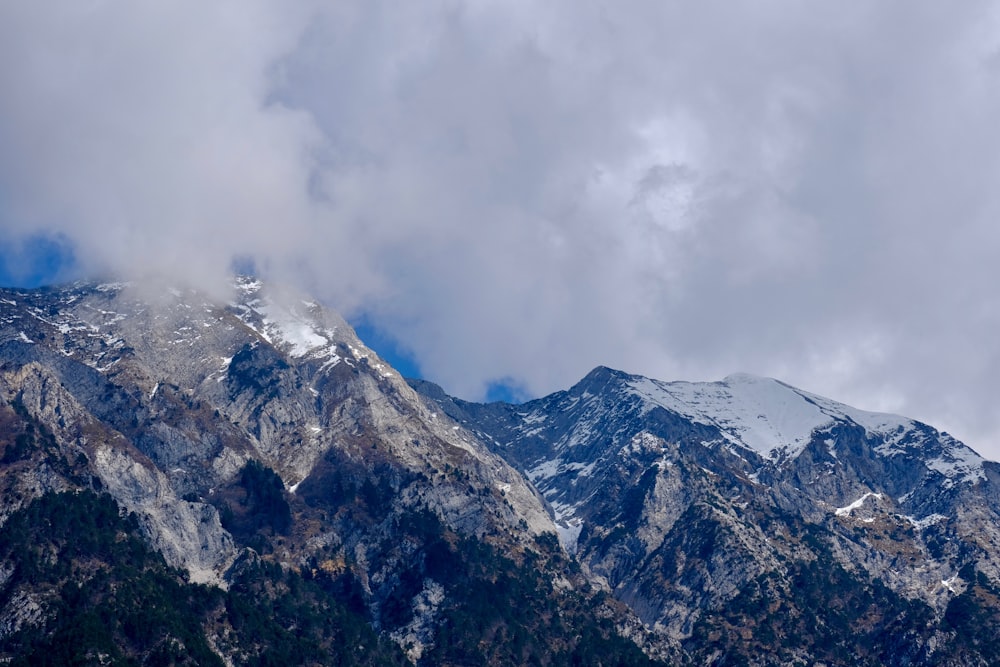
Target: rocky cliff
pixel 188 480
pixel 721 511
pixel 258 428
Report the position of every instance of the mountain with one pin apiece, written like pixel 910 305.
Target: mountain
pixel 747 520
pixel 188 480
pixel 277 468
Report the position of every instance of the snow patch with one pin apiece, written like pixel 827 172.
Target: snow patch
pixel 544 470
pixel 111 287
pixel 846 511
pixel 568 526
pixel 248 285
pixel 332 361
pixel 292 329
pixel 831 447
pixel 761 414
pixel 297 333
pixel 958 463
pixel 529 419
pixel 775 419
pixel 569 534
pixel 927 521
pixel 643 441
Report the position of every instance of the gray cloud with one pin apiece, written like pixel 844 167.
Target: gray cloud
pixel 678 189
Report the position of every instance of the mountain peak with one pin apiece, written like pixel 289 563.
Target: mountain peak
pixel 604 373
pixel 676 495
pixel 748 379
pixel 257 427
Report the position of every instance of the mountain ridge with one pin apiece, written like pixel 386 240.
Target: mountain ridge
pixel 262 448
pixel 630 470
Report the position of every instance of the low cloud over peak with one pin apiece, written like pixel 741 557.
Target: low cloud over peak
pixel 514 191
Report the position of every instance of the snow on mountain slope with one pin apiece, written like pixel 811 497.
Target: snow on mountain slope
pixel 198 386
pixel 302 329
pixel 584 448
pixel 778 421
pixel 761 414
pixel 677 495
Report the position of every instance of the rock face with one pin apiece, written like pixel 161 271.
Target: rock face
pixel 259 446
pixel 696 502
pixel 168 395
pixel 261 425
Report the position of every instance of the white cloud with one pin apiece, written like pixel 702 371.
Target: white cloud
pixel 677 189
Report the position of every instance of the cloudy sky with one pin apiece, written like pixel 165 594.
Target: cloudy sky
pixel 514 192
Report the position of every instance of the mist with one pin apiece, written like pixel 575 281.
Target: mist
pixel 517 193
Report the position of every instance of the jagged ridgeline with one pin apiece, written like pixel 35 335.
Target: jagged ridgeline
pixel 186 481
pixel 749 522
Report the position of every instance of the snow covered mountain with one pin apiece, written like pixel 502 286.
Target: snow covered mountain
pixel 683 499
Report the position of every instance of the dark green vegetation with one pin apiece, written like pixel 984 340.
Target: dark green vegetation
pixel 102 595
pixel 974 619
pixel 23 439
pixel 87 589
pixel 818 610
pixel 497 609
pixel 256 505
pixel 499 612
pixel 90 591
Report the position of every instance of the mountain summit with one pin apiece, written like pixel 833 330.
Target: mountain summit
pixel 722 510
pixel 259 486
